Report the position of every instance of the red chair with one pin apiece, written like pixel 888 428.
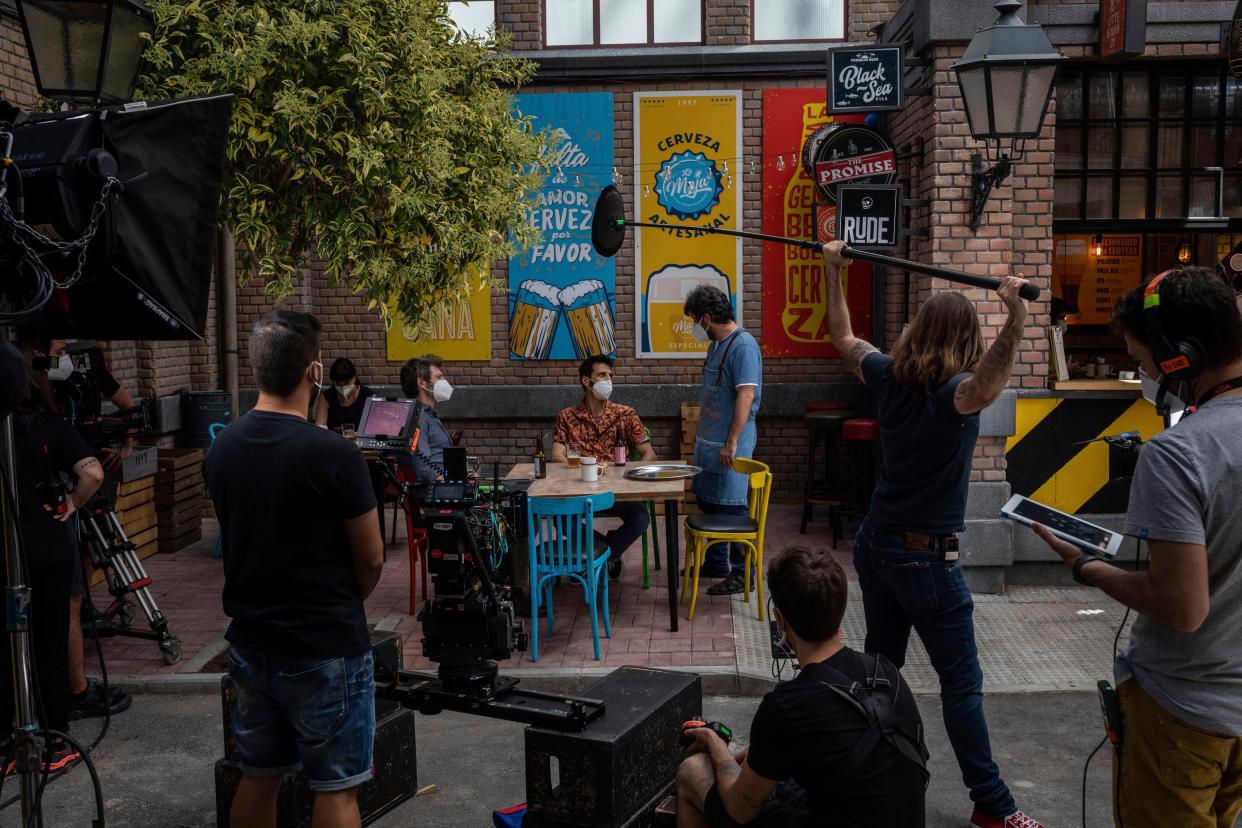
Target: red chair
pixel 825 405
pixel 418 543
pixel 862 434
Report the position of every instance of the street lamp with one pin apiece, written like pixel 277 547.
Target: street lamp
pixel 1005 77
pixel 86 51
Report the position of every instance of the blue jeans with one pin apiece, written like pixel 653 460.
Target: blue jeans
pixel 904 588
pixel 299 712
pixel 724 555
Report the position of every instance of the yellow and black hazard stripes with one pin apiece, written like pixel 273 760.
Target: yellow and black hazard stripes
pixel 1047 460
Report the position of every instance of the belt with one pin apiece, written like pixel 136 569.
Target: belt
pixel 945 546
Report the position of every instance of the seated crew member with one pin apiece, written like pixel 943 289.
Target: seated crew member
pixel 294 587
pixel 594 426
pixel 805 765
pixel 1179 682
pixel 422 379
pixel 46 447
pixel 342 404
pixel 78 396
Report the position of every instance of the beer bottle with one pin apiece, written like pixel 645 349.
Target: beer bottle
pixel 618 453
pixel 539 461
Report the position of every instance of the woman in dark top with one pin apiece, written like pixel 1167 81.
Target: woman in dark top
pixel 342 403
pixel 47 451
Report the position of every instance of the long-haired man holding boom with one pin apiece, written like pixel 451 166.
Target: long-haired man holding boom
pixel 928 395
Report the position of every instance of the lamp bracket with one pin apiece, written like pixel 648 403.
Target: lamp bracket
pixel 981 183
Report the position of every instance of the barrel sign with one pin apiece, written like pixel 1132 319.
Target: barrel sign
pixel 848 154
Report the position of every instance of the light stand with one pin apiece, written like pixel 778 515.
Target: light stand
pixel 16 607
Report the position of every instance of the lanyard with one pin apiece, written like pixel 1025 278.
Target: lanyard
pixel 1216 391
pixel 720 365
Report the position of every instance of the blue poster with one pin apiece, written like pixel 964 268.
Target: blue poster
pixel 562 294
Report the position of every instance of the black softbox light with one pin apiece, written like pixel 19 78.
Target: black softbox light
pixel 149 268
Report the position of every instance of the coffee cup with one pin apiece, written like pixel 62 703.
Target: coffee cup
pixel 590 471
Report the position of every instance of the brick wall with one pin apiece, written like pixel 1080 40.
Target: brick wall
pixel 1015 235
pixel 16 80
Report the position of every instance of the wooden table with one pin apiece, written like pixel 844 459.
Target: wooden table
pixel 566 482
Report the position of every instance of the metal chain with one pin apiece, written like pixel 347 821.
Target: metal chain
pixel 80 244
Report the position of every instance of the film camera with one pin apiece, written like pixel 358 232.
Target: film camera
pixel 469 622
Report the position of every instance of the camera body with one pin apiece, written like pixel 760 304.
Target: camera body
pixel 469 622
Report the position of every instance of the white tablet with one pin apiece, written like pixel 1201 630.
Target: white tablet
pixel 1095 539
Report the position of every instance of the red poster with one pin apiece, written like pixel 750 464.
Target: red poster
pixel 795 323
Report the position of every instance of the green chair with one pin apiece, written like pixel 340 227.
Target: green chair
pixel 655 538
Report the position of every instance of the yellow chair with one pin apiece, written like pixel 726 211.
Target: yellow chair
pixel 703 531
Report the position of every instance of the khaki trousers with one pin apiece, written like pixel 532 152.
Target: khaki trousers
pixel 1170 774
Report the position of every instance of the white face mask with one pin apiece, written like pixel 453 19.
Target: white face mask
pixel 348 390
pixel 602 389
pixel 1151 392
pixel 442 390
pixel 62 369
pixel 319 386
pixel 699 332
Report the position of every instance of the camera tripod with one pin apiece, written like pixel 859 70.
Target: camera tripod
pixel 113 553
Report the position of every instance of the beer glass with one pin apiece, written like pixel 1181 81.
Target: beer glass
pixel 535 316
pixel 666 328
pixel 572 456
pixel 586 308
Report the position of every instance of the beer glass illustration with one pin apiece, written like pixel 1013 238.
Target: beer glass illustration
pixel 586 308
pixel 665 327
pixel 535 316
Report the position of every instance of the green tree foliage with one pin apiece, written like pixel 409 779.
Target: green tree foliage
pixel 370 134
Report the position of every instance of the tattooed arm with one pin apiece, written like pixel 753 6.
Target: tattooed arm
pixel 977 391
pixel 853 349
pixel 90 476
pixel 742 791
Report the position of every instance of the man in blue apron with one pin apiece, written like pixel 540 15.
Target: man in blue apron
pixel 732 385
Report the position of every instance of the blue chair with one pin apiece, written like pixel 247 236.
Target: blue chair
pixel 563 543
pixel 212 431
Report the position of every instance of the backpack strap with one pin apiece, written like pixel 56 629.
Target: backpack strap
pixel 875 699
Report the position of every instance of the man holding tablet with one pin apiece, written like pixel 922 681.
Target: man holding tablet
pixel 1179 761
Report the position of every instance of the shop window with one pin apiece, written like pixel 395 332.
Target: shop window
pixel 1115 161
pixel 475 17
pixel 797 20
pixel 622 22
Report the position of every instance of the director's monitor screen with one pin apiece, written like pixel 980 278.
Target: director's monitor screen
pixel 386 418
pixel 148 269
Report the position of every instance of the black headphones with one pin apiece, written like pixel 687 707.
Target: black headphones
pixel 1178 359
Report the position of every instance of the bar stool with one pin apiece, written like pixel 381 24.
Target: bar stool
pixel 862 435
pixel 824 428
pixel 825 405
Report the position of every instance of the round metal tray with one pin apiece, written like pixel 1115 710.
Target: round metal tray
pixel 663 471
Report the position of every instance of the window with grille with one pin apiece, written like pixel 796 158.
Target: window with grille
pixel 778 20
pixel 1148 143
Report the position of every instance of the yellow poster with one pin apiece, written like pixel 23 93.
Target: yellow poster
pixel 1093 272
pixel 688 175
pixel 456 330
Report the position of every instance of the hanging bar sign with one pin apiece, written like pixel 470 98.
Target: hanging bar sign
pixel 1234 42
pixel 864 79
pixel 869 217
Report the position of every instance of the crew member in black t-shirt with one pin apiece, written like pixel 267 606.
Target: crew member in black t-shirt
pixel 79 389
pixel 342 403
pixel 302 551
pixel 928 395
pixel 804 766
pixel 47 451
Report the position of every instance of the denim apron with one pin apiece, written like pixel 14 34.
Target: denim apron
pixel 716 484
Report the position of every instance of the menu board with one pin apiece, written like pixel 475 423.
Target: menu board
pixel 1092 273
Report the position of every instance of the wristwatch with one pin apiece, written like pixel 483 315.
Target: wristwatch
pixel 1079 563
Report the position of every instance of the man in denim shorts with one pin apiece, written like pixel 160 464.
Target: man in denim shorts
pixel 302 551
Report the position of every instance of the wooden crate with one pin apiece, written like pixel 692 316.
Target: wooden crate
pixel 179 498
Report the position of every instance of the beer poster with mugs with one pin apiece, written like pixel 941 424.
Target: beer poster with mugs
pixel 562 295
pixel 795 323
pixel 456 330
pixel 687 174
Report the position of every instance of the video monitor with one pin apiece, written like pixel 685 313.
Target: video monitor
pixel 386 417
